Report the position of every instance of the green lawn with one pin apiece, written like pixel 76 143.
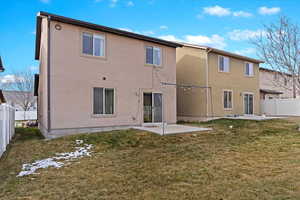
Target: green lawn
pixel 253 160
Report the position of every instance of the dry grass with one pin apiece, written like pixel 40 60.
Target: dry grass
pixel 253 160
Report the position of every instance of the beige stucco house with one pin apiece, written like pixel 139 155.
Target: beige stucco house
pixel 218 83
pixel 95 78
pixel 274 85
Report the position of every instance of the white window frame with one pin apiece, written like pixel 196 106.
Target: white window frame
pixel 225 57
pixel 251 73
pixel 94 35
pixel 223 95
pixel 153 55
pixel 103 100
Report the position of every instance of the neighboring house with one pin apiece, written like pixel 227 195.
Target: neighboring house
pixel 274 84
pixel 222 83
pixel 1 66
pixel 95 78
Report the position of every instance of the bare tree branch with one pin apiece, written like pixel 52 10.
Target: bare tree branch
pixel 22 84
pixel 279 46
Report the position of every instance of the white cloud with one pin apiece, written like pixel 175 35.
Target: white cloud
pixel 217 11
pixel 221 12
pixel 127 29
pixel 163 27
pixel 241 14
pixel 239 35
pixel 148 32
pixel 9 78
pixel 247 51
pixel 33 68
pixel 130 3
pixel 212 41
pixel 170 38
pixel 268 11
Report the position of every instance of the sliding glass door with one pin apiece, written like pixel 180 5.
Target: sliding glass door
pixel 248 104
pixel 152 107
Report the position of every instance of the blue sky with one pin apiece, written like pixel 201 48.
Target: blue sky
pixel 225 24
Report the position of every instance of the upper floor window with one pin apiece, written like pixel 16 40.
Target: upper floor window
pixel 224 64
pixel 249 69
pixel 93 44
pixel 153 55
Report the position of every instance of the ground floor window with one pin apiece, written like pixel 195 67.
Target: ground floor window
pixel 227 99
pixel 103 100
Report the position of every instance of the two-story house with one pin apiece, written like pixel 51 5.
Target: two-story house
pixel 94 78
pixel 220 83
pixel 274 84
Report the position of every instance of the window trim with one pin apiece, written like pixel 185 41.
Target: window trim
pixel 99 35
pixel 223 95
pixel 104 114
pixel 245 66
pixel 224 65
pixel 161 55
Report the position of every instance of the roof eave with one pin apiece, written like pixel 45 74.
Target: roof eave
pixel 38 37
pixel 267 91
pixel 219 51
pixel 94 27
pixel 235 55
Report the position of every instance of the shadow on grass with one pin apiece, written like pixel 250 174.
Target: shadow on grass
pixel 22 134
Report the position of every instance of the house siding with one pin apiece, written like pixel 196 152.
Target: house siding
pixel 191 70
pixel 43 94
pixel 198 103
pixel 234 80
pixel 73 77
pixel 267 82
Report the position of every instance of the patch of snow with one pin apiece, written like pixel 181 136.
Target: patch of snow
pixel 81 151
pixel 78 142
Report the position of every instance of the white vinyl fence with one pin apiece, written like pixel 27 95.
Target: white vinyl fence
pixel 7 126
pixel 281 107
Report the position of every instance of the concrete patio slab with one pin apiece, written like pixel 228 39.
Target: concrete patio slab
pixel 253 117
pixel 171 129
